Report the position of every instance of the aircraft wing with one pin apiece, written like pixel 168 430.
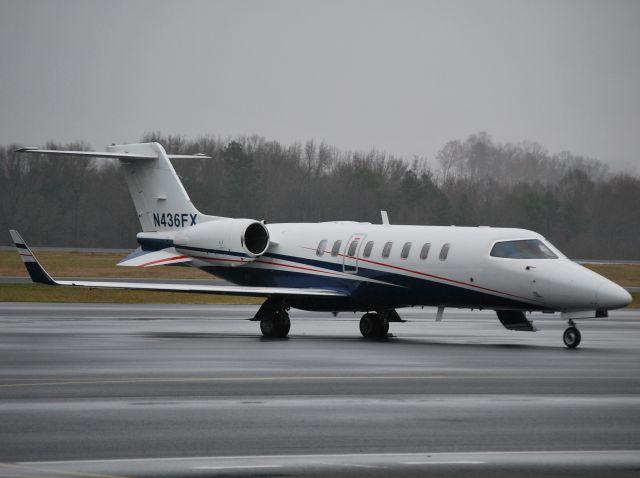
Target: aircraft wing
pixel 40 275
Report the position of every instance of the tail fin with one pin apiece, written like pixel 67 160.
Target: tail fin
pixel 160 199
pixel 35 270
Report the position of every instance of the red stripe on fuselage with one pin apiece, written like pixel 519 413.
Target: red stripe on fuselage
pixel 217 259
pixel 163 260
pixel 467 284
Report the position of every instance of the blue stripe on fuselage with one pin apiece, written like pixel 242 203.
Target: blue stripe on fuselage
pixel 445 292
pixel 363 295
pixel 399 290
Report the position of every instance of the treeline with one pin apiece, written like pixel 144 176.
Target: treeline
pixel 575 202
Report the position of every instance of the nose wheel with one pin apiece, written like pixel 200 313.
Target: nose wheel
pixel 571 336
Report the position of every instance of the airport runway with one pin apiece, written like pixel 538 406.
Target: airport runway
pixel 160 390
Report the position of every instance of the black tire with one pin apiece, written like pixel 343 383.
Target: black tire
pixel 373 326
pixel 269 328
pixel 276 327
pixel 383 328
pixel 368 325
pixel 571 337
pixel 284 325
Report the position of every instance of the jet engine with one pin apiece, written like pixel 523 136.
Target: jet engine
pixel 226 241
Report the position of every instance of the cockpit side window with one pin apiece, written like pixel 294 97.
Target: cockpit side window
pixel 522 249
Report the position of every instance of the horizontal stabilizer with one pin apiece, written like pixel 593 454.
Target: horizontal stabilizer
pixel 163 257
pixel 160 200
pixel 103 154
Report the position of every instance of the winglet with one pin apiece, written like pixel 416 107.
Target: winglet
pixel 35 270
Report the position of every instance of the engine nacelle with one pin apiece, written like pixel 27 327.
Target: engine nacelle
pixel 227 242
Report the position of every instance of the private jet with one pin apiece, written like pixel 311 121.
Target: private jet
pixel 343 266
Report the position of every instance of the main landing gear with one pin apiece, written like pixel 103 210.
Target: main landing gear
pixel 571 335
pixel 375 325
pixel 274 319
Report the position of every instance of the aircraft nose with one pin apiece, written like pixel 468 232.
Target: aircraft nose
pixel 612 296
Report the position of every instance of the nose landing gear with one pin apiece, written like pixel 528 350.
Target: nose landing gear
pixel 571 335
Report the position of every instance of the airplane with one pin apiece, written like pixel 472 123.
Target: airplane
pixel 343 266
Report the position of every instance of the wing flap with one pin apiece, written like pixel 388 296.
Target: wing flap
pixel 162 257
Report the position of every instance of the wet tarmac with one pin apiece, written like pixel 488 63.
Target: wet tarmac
pixel 161 390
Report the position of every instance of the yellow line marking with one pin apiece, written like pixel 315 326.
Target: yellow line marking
pixel 49 472
pixel 453 462
pixel 217 379
pixel 22 476
pixel 235 467
pixel 285 378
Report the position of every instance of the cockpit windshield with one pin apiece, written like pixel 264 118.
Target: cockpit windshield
pixel 522 249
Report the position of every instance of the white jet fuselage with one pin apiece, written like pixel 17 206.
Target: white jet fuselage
pixel 306 255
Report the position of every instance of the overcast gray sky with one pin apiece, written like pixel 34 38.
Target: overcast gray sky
pixel 401 76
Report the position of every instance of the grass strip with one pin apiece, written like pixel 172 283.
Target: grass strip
pixel 626 275
pixel 103 264
pixel 62 264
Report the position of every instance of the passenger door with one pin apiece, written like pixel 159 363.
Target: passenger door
pixel 351 253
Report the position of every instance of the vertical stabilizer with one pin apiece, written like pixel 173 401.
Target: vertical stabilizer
pixel 159 197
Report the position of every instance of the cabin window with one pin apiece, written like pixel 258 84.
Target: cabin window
pixel 424 252
pixel 336 248
pixel 353 247
pixel 367 249
pixel 321 248
pixel 386 250
pixel 444 252
pixel 405 250
pixel 522 249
